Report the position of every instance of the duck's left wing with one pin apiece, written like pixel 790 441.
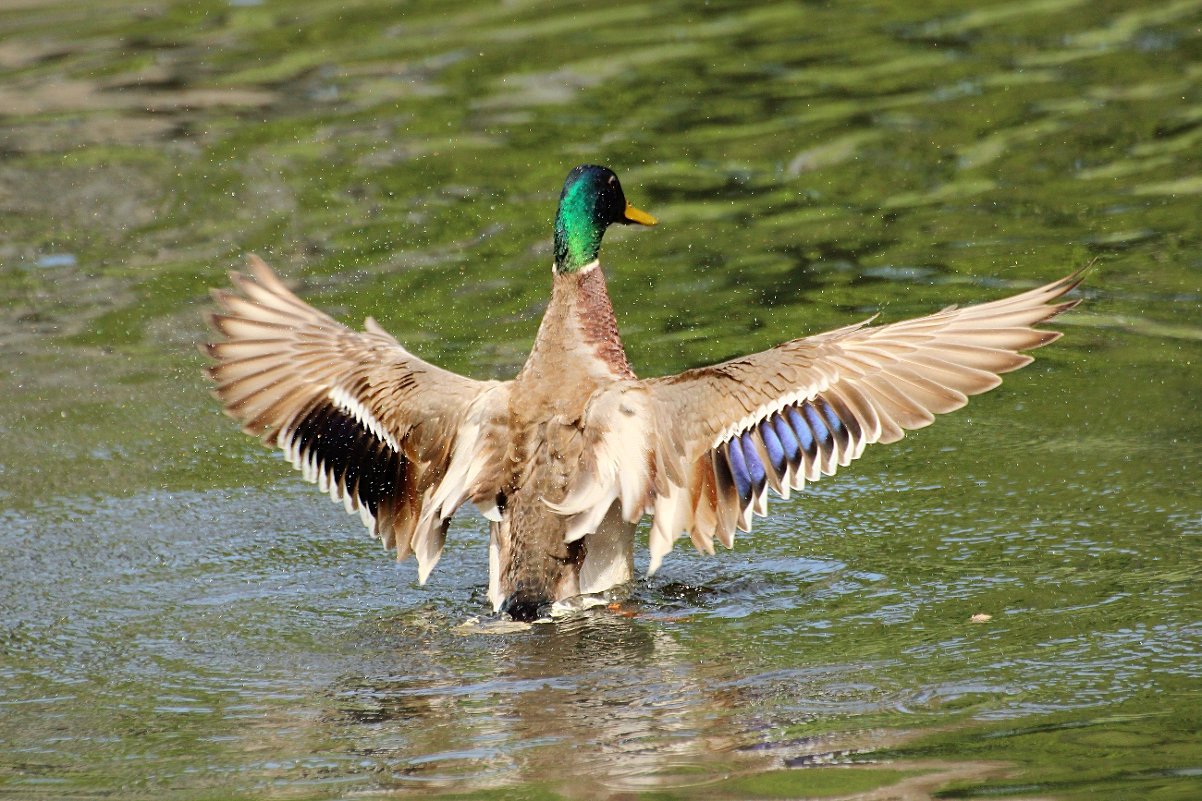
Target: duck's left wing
pixel 723 435
pixel 398 439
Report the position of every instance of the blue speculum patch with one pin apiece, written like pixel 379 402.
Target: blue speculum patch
pixel 804 435
pixel 788 439
pixel 772 444
pixel 817 426
pixel 738 470
pixel 808 428
pixel 755 468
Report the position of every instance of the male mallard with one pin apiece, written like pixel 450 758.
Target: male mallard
pixel 567 457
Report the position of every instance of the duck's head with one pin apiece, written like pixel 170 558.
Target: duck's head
pixel 591 201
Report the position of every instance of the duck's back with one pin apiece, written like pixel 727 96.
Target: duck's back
pixel 576 353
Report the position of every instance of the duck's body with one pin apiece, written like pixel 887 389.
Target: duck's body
pixel 567 457
pixel 576 353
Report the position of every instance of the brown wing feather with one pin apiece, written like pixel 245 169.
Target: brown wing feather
pixel 397 439
pixel 793 413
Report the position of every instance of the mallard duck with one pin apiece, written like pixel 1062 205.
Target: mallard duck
pixel 566 458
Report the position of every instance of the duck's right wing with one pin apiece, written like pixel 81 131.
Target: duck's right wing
pixel 397 439
pixel 723 435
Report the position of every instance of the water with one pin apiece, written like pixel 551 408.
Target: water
pixel 181 617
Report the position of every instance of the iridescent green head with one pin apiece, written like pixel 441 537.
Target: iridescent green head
pixel 592 200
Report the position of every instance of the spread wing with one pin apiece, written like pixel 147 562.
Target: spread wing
pixel 397 439
pixel 701 449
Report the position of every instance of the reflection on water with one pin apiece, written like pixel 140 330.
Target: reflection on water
pixel 180 617
pixel 561 686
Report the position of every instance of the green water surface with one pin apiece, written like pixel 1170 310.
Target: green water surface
pixel 181 617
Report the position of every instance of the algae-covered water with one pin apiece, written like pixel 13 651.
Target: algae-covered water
pixel 181 617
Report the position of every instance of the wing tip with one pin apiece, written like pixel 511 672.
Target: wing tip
pixel 1061 287
pixel 258 267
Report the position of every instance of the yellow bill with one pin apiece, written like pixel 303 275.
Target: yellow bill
pixel 639 216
